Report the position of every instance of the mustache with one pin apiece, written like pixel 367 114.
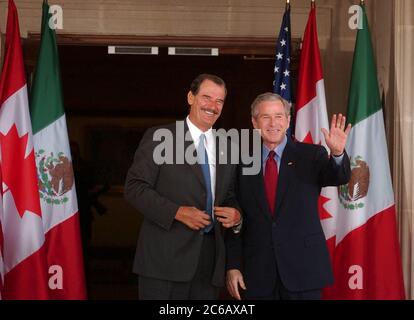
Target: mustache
pixel 209 110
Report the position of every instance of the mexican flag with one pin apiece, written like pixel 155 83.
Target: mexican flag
pixel 22 243
pixel 55 173
pixel 366 258
pixel 311 114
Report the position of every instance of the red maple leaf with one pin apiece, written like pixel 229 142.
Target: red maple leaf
pixel 323 213
pixel 19 172
pixel 308 138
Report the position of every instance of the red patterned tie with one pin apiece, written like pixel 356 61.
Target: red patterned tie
pixel 270 180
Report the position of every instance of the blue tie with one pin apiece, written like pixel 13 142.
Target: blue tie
pixel 203 161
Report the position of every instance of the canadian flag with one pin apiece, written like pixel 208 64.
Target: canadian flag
pixel 1 240
pixel 23 261
pixel 311 115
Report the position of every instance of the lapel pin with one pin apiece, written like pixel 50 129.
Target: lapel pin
pixel 290 164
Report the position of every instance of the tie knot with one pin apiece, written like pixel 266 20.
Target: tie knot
pixel 271 155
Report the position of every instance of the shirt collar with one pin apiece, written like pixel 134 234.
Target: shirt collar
pixel 196 132
pixel 278 150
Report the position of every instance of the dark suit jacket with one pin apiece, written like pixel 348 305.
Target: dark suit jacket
pixel 168 249
pixel 293 242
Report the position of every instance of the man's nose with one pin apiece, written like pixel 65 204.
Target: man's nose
pixel 212 104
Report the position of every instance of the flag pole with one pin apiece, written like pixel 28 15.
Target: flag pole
pixel 313 4
pixel 287 4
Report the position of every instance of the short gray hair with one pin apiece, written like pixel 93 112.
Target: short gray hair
pixel 268 96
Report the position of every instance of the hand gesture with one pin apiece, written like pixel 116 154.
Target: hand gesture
pixel 234 280
pixel 336 137
pixel 229 217
pixel 193 218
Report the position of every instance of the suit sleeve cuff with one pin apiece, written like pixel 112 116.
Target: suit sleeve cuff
pixel 338 159
pixel 237 228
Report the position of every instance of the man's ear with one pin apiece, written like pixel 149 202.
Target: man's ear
pixel 254 122
pixel 190 98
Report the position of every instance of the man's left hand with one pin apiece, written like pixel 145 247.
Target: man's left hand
pixel 336 137
pixel 229 217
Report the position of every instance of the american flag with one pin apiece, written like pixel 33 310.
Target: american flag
pixel 281 84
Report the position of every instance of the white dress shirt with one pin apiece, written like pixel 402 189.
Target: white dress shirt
pixel 211 151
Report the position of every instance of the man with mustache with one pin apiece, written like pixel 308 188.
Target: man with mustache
pixel 186 207
pixel 281 251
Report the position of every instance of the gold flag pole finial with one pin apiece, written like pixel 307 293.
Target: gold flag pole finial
pixel 362 2
pixel 287 4
pixel 313 4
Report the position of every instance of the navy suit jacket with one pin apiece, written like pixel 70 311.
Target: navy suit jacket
pixel 292 242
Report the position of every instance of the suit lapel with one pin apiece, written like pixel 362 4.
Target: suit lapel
pixel 220 169
pixel 286 174
pixel 260 194
pixel 257 184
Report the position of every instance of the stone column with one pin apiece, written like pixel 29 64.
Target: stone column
pixel 403 150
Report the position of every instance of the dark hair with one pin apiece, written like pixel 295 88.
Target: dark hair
pixel 195 85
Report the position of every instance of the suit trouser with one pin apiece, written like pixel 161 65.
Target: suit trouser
pixel 281 293
pixel 199 288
